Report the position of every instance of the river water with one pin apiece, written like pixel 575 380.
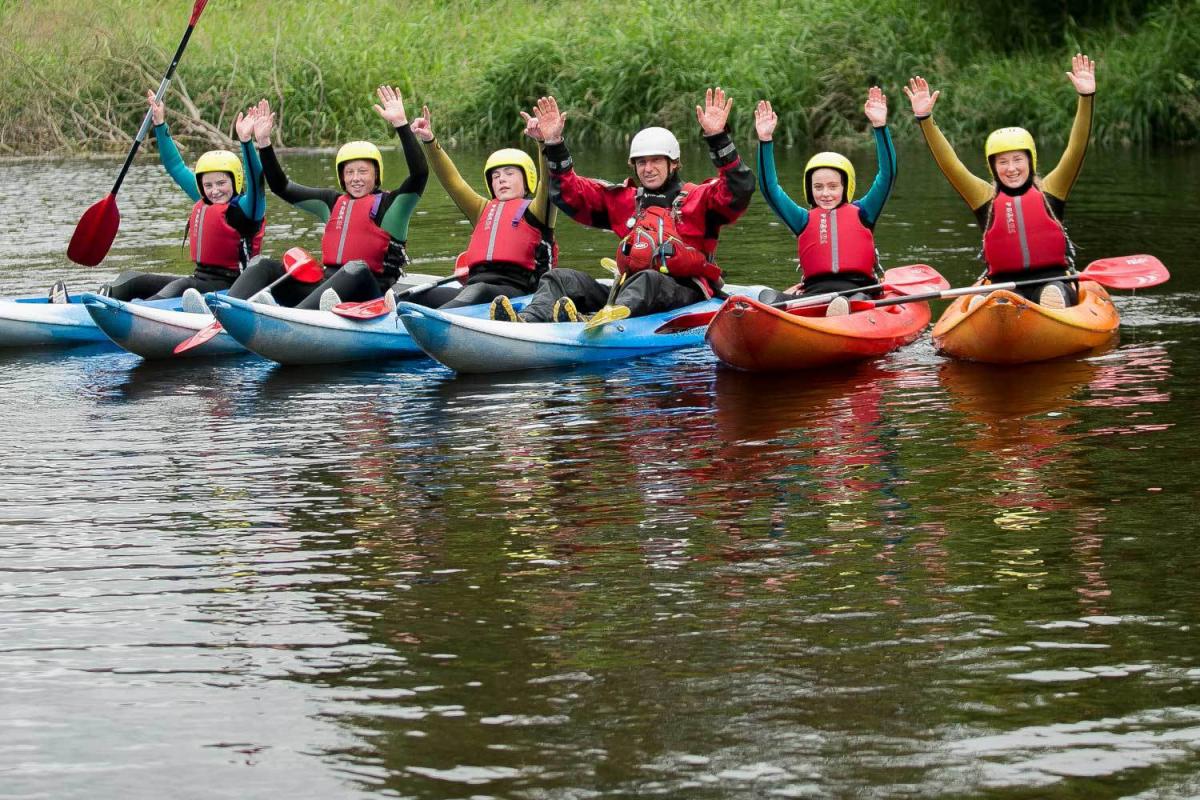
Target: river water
pixel 913 578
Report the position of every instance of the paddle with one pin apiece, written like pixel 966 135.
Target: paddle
pixel 905 280
pixel 609 313
pixel 380 306
pixel 1122 272
pixel 297 264
pixel 98 226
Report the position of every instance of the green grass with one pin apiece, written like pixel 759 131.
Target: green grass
pixel 76 81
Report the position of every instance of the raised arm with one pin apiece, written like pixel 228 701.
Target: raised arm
pixel 469 202
pixel 1061 179
pixel 168 153
pixel 391 108
pixel 792 214
pixel 873 201
pixel 975 191
pixel 318 202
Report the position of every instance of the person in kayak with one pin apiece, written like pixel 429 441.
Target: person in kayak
pixel 1019 212
pixel 225 227
pixel 668 228
pixel 835 239
pixel 366 227
pixel 512 241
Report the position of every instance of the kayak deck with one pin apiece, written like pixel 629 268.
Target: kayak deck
pixel 1006 328
pixel 152 331
pixel 480 345
pixel 752 336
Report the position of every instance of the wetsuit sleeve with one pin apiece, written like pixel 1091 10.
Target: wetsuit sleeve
pixel 727 198
pixel 975 191
pixel 541 207
pixel 318 202
pixel 584 200
pixel 792 214
pixel 397 208
pixel 172 162
pixel 253 202
pixel 871 205
pixel 1062 178
pixel 469 202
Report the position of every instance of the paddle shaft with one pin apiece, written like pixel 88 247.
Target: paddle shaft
pixel 949 294
pixel 158 96
pixel 425 287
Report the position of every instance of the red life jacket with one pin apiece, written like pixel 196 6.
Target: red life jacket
pixel 1023 234
pixel 654 241
pixel 835 242
pixel 504 235
pixel 352 233
pixel 216 243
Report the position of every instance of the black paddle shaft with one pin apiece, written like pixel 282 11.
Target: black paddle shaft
pixel 162 90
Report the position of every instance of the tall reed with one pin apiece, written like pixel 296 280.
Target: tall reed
pixel 77 82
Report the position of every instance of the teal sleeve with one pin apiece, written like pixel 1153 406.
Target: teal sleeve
pixel 794 216
pixel 871 206
pixel 395 219
pixel 172 162
pixel 253 201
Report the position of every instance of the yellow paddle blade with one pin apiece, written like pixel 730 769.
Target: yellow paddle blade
pixel 610 265
pixel 606 315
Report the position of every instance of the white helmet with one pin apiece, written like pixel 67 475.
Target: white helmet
pixel 654 142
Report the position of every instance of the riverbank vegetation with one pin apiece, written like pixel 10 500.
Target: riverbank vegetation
pixel 77 82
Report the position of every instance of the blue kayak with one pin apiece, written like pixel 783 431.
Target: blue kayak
pixel 36 322
pixel 152 330
pixel 301 336
pixel 474 344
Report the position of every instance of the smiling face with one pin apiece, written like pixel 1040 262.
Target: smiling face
pixel 217 186
pixel 828 188
pixel 1011 168
pixel 507 182
pixel 358 176
pixel 653 171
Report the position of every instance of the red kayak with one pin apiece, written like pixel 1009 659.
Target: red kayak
pixel 749 335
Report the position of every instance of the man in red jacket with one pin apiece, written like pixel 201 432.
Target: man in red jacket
pixel 668 228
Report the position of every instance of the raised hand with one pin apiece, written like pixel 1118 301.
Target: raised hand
pixel 876 107
pixel 392 108
pixel 1083 74
pixel 715 113
pixel 550 120
pixel 158 111
pixel 244 124
pixel 918 94
pixel 422 126
pixel 765 120
pixel 264 124
pixel 533 127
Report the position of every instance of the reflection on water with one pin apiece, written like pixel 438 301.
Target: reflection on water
pixel 909 578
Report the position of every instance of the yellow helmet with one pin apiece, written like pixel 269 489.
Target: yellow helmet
pixel 220 161
pixel 833 161
pixel 511 157
pixel 354 151
pixel 1006 140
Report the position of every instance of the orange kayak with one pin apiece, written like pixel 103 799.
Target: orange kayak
pixel 752 336
pixel 1008 329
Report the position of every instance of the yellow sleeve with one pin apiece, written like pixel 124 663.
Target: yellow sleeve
pixel 1062 178
pixel 975 191
pixel 469 202
pixel 541 206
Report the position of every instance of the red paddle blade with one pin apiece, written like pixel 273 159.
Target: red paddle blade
pixel 685 322
pixel 302 267
pixel 899 279
pixel 369 310
pixel 1127 272
pixel 196 9
pixel 201 336
pixel 917 288
pixel 95 232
